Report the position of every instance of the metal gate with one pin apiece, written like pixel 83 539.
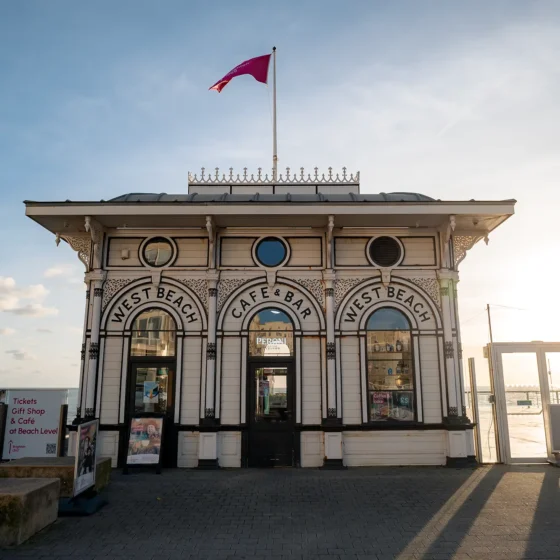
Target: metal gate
pixel 525 401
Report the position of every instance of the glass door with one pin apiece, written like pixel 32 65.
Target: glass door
pixel 152 392
pixel 270 415
pixel 521 399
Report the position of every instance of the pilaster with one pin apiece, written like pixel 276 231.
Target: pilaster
pixel 333 410
pixel 210 392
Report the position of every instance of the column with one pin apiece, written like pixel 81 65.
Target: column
pixel 333 437
pixel 332 409
pixel 96 283
pixel 83 364
pixel 446 283
pixel 208 438
pixel 457 433
pixel 209 407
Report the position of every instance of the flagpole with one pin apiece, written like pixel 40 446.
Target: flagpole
pixel 274 144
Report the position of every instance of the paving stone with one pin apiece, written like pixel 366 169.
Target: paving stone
pixel 358 514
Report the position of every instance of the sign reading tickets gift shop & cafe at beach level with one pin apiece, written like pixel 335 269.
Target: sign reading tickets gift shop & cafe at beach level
pixel 284 320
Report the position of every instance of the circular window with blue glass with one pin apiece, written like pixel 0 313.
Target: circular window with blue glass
pixel 271 252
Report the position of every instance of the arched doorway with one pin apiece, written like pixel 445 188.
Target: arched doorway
pixel 151 380
pixel 270 390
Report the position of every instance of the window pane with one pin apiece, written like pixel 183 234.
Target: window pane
pixel 388 319
pixel 271 403
pixel 148 339
pixel 151 390
pixel 158 252
pixel 271 334
pixel 271 251
pixel 390 366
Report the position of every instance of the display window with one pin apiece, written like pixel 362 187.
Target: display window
pixel 390 369
pixel 271 334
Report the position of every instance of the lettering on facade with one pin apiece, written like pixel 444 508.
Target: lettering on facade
pixel 258 295
pixel 379 293
pixel 152 294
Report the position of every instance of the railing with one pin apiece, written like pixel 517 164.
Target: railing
pixel 533 396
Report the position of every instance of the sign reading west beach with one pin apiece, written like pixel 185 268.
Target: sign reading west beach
pixel 32 423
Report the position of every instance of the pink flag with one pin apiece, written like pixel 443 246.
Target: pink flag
pixel 256 67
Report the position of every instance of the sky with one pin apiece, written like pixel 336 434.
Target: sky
pixel 456 100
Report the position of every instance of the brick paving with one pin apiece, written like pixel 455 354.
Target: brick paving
pixel 379 513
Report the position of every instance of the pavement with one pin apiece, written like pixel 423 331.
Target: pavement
pixel 494 512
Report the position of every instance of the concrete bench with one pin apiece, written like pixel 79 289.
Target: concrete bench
pixel 26 506
pixel 56 467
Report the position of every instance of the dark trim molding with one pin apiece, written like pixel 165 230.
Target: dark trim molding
pixel 333 465
pixel 461 462
pixel 208 464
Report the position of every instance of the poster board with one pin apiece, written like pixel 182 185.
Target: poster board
pixel 86 451
pixel 32 423
pixel 145 436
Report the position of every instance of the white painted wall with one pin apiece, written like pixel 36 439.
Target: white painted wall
pixel 191 251
pixel 108 445
pixel 229 449
pixel 187 454
pixel 190 388
pixel 364 449
pixel 312 449
pixel 231 381
pixel 311 380
pixel 350 362
pixel 111 383
pixel 431 379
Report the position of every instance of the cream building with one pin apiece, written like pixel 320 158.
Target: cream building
pixel 294 322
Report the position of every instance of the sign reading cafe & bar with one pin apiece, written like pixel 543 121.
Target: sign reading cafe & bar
pixel 374 294
pixel 282 294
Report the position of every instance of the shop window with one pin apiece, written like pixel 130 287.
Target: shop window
pixel 153 334
pixel 385 251
pixel 271 251
pixel 390 367
pixel 158 251
pixel 271 334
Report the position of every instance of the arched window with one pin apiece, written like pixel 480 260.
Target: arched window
pixel 271 333
pixel 153 334
pixel 390 366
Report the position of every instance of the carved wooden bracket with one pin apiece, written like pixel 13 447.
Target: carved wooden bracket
pixel 80 243
pixel 462 244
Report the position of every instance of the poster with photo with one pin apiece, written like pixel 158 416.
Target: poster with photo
pixel 151 392
pixel 84 470
pixel 144 442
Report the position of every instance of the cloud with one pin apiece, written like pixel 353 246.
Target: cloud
pixel 20 355
pixel 11 296
pixel 46 331
pixel 58 270
pixel 33 310
pixel 67 271
pixel 7 331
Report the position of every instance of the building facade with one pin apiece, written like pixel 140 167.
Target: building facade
pixel 285 322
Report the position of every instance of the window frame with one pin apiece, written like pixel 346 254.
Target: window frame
pixel 414 375
pixel 262 238
pixel 147 241
pixel 377 265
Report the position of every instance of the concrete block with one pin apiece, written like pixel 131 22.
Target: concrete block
pixel 26 506
pixel 61 468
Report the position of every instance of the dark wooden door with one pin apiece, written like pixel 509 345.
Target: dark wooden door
pixel 271 414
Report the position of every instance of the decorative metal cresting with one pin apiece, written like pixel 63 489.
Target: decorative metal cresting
pixel 289 178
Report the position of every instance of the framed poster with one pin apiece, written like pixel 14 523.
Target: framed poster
pixel 84 469
pixel 144 441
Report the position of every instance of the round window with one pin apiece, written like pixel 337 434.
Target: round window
pixel 385 251
pixel 271 251
pixel 158 251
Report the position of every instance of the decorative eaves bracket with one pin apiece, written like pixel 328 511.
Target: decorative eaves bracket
pixel 464 242
pixel 96 231
pixel 81 243
pixel 446 231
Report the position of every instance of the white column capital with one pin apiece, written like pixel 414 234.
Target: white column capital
pixel 329 276
pixel 444 275
pixel 95 276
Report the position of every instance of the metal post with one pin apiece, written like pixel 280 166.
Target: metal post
pixel 274 142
